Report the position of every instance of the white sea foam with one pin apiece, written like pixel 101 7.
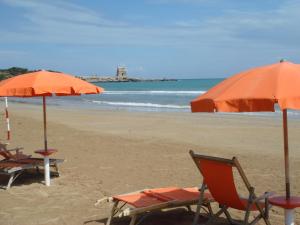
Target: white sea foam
pixel 153 92
pixel 140 104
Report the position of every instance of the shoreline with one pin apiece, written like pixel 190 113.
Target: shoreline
pixel 70 105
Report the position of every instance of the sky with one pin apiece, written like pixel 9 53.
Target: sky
pixel 152 38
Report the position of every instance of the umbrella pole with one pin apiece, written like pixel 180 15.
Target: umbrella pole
pixel 288 213
pixel 46 156
pixel 7 118
pixel 286 154
pixel 45 124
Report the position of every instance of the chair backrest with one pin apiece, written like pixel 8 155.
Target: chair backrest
pixel 218 176
pixel 3 151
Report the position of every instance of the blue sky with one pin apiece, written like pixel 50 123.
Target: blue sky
pixel 152 38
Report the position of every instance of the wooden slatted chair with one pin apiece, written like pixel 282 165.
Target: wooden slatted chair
pixel 218 178
pixel 141 202
pixel 11 154
pixel 14 168
pixel 14 163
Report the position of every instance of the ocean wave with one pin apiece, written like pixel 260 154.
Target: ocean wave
pixel 140 104
pixel 153 92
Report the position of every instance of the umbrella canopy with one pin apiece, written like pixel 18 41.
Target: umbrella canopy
pixel 254 90
pixel 45 83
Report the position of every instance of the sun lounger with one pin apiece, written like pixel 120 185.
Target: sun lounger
pixel 14 163
pixel 137 203
pixel 14 153
pixel 14 168
pixel 218 178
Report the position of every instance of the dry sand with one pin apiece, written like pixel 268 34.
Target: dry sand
pixel 111 152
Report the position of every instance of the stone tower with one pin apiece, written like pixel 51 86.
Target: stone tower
pixel 121 73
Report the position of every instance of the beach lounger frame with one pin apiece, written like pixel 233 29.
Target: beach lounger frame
pixel 125 209
pixel 224 171
pixel 14 168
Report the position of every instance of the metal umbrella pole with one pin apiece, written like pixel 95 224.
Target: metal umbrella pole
pixel 46 155
pixel 7 118
pixel 288 213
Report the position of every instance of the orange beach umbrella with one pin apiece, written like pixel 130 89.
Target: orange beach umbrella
pixel 257 90
pixel 41 84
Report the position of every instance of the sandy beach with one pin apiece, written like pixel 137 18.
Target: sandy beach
pixel 112 152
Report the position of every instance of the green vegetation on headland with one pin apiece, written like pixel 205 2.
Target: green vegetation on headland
pixel 11 72
pixel 14 71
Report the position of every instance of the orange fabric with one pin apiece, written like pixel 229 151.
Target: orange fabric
pixel 254 90
pixel 44 83
pixel 138 200
pixel 220 182
pixel 160 195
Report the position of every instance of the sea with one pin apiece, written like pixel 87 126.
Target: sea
pixel 145 96
pixel 152 96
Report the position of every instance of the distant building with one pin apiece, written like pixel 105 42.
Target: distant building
pixel 121 73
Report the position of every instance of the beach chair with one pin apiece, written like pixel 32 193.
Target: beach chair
pixel 14 153
pixel 14 164
pixel 14 168
pixel 218 178
pixel 149 200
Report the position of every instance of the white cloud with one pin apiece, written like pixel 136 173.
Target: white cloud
pixel 61 22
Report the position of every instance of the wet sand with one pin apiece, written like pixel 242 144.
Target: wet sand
pixel 112 152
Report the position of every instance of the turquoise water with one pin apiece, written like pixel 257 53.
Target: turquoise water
pixel 151 96
pixel 137 96
pixel 143 96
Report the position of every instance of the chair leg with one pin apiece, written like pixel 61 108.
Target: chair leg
pixel 227 214
pixel 133 219
pixel 267 207
pixel 211 213
pixel 112 212
pixel 37 169
pixel 56 169
pixel 263 214
pixel 10 181
pixel 12 178
pixel 213 216
pixel 249 204
pixel 247 214
pixel 256 219
pixel 196 218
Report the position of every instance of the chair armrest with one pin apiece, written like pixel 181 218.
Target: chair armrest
pixel 14 149
pixel 266 195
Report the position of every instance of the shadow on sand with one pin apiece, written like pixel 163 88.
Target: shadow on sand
pixel 26 178
pixel 178 216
